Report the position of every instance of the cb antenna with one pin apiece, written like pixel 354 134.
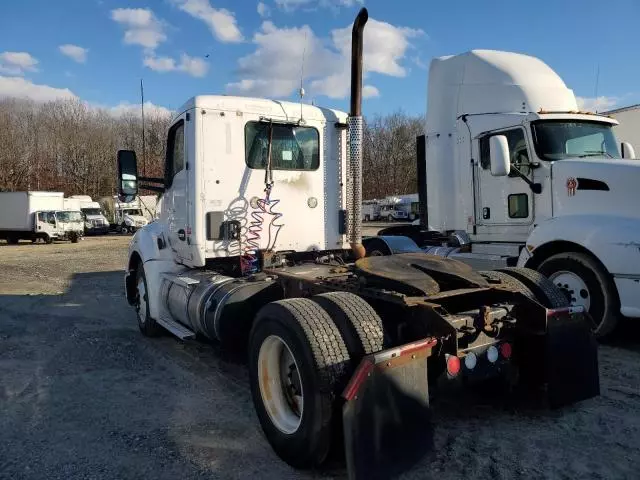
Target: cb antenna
pixel 144 150
pixel 596 89
pixel 301 91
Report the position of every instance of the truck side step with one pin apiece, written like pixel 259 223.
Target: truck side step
pixel 177 329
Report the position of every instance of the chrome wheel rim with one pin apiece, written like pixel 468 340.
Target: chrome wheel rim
pixel 280 384
pixel 573 287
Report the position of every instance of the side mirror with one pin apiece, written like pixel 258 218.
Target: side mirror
pixel 499 154
pixel 627 150
pixel 127 174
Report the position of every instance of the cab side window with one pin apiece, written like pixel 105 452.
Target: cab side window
pixel 517 148
pixel 175 152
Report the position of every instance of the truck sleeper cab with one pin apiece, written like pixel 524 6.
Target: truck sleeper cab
pixel 258 245
pixel 520 177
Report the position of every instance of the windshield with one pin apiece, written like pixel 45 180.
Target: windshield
pixel 292 147
pixel 69 216
pixel 558 139
pixel 133 211
pixel 91 211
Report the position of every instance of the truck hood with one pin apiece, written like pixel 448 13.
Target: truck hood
pixel 135 218
pixel 97 217
pixel 596 187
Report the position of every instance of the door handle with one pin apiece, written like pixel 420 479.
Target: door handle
pixel 181 234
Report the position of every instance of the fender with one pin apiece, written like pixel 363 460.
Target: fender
pixel 615 241
pixel 390 244
pixel 146 243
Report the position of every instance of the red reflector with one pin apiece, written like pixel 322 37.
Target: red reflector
pixel 361 374
pixel 453 365
pixel 505 350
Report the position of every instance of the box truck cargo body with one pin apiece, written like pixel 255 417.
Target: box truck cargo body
pixel 34 216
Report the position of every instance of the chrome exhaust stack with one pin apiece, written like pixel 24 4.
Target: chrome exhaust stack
pixel 354 177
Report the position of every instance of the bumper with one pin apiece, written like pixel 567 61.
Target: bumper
pixel 98 230
pixel 629 292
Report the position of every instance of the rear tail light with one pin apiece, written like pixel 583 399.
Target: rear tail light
pixel 470 360
pixel 453 365
pixel 506 350
pixel 492 354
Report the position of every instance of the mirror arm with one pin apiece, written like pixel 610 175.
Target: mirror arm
pixel 151 179
pixel 152 188
pixel 535 187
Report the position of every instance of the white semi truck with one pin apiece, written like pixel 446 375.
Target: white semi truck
pixel 95 221
pixel 258 245
pixel 512 174
pixel 37 216
pixel 129 215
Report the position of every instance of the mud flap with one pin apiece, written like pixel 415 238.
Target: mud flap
pixel 386 416
pixel 568 370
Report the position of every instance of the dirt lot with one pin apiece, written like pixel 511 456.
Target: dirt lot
pixel 84 395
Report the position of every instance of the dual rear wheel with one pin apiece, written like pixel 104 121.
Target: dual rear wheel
pixel 302 352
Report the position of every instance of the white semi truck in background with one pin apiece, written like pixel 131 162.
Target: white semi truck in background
pixel 135 213
pixel 37 216
pixel 258 245
pixel 512 174
pixel 95 221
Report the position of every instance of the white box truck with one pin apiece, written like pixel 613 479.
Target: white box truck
pixel 37 216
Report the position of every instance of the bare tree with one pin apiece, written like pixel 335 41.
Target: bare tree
pixel 69 146
pixel 389 163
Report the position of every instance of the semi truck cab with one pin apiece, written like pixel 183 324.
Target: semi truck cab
pixel 520 177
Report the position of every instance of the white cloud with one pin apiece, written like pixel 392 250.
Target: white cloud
pixel 17 63
pixel 596 104
pixel 160 64
pixel 196 67
pixel 141 25
pixel 369 91
pixel 18 87
pixel 263 10
pixel 74 52
pixel 274 68
pixel 221 22
pixel 150 109
pixel 21 88
pixel 291 5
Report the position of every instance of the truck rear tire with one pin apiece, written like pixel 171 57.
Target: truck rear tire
pixel 544 289
pixel 358 323
pixel 298 363
pixel 147 325
pixel 13 240
pixel 508 281
pixel 584 282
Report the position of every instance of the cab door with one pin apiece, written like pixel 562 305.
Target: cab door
pixel 176 195
pixel 504 205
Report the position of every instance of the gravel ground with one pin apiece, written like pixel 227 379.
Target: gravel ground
pixel 84 395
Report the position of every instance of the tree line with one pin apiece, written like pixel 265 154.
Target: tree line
pixel 69 146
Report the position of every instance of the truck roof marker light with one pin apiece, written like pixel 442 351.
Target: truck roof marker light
pixel 470 360
pixel 453 365
pixel 506 350
pixel 492 354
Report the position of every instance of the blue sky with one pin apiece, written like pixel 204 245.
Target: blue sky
pixel 97 50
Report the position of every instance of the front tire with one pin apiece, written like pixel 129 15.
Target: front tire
pixel 585 283
pixel 298 364
pixel 147 325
